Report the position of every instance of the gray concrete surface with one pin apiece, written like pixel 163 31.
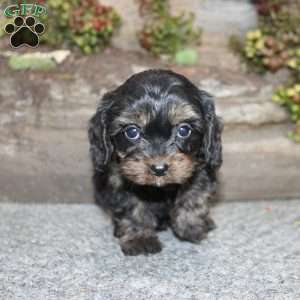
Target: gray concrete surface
pixel 53 252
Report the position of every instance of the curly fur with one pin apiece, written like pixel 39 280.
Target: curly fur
pixel 140 202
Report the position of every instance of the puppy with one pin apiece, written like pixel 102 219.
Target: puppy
pixel 155 145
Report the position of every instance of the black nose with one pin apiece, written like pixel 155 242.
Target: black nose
pixel 159 170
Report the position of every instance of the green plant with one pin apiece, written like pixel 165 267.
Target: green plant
pixel 265 52
pixel 163 33
pixel 86 24
pixel 266 7
pixel 270 46
pixel 294 64
pixel 290 98
pixel 275 45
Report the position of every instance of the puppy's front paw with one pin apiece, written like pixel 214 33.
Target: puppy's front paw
pixel 209 223
pixel 193 232
pixel 141 244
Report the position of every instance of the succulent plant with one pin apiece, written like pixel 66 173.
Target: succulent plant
pixel 289 97
pixel 272 45
pixel 86 24
pixel 275 45
pixel 163 33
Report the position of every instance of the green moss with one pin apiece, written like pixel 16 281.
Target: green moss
pixel 186 57
pixel 18 63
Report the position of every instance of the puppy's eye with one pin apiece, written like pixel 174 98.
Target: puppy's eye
pixel 132 132
pixel 184 131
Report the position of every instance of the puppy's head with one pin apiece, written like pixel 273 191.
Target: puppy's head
pixel 158 127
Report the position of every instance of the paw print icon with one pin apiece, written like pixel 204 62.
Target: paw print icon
pixel 24 32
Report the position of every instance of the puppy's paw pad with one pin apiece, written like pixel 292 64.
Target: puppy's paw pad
pixel 141 245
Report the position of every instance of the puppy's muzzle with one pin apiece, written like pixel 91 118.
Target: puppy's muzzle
pixel 159 169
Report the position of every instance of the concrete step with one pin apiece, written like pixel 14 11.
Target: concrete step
pixel 68 252
pixel 259 164
pixel 43 124
pixel 70 105
pixel 245 103
pixel 39 165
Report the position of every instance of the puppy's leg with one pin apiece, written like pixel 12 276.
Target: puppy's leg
pixel 190 218
pixel 135 227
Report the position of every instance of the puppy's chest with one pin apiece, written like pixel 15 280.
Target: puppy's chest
pixel 160 209
pixel 158 201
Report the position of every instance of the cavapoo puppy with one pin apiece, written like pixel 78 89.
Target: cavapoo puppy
pixel 155 145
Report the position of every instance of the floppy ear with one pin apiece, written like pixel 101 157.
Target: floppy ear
pixel 212 146
pixel 101 148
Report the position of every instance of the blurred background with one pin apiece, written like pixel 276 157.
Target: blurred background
pixel 246 53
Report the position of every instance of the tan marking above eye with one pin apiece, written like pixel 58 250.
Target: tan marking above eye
pixel 140 118
pixel 181 112
pixel 177 113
